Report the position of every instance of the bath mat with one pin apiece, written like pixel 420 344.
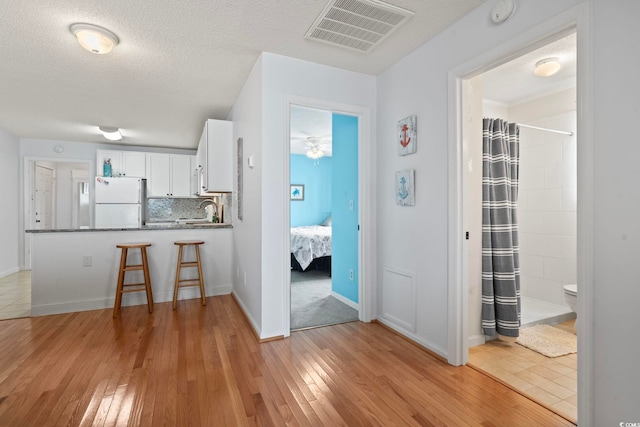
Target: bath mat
pixel 547 340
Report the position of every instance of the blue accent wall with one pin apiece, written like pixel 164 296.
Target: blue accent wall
pixel 345 206
pixel 316 179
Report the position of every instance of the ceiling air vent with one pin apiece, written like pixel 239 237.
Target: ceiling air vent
pixel 357 24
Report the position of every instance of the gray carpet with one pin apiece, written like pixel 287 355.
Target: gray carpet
pixel 312 303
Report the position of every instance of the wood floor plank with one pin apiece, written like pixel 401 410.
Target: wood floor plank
pixel 202 365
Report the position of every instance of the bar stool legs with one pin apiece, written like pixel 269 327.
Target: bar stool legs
pixel 134 287
pixel 183 283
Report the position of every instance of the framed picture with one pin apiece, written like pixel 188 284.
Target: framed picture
pixel 297 192
pixel 405 188
pixel 408 135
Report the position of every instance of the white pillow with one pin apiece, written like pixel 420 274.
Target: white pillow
pixel 327 222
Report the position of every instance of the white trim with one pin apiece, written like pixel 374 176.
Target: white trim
pixel 247 313
pixel 127 300
pixel 9 272
pixel 476 340
pixel 585 213
pixel 366 203
pixel 576 19
pixel 345 300
pixel 413 337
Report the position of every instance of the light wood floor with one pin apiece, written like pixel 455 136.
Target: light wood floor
pixel 15 295
pixel 552 381
pixel 203 366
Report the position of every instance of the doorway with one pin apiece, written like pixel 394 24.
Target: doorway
pixel 323 217
pixel 544 266
pixel 57 195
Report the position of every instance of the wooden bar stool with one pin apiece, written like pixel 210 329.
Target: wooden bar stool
pixel 183 283
pixel 135 287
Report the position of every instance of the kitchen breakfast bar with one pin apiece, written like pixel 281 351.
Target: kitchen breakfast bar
pixel 77 269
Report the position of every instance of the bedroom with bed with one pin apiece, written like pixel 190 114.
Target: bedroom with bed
pixel 316 297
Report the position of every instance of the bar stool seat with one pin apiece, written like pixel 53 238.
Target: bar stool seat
pixel 133 287
pixel 183 283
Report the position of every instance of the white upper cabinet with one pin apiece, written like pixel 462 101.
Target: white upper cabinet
pixel 123 163
pixel 195 176
pixel 134 164
pixel 180 176
pixel 215 155
pixel 168 175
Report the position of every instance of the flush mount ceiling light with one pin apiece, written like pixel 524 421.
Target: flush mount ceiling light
pixel 547 67
pixel 111 133
pixel 93 38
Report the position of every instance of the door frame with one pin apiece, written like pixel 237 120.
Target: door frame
pixel 578 20
pixel 366 204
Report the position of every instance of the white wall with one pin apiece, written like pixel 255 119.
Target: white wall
pixel 9 224
pixel 616 244
pixel 247 234
pixel 264 227
pixel 60 283
pixel 416 238
pixel 547 196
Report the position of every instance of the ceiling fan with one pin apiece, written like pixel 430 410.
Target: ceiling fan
pixel 314 146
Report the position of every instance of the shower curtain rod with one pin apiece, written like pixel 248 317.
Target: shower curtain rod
pixel 563 132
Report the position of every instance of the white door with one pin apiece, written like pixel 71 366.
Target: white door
pixel 43 211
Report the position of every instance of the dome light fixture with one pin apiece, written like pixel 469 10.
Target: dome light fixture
pixel 111 133
pixel 547 67
pixel 93 38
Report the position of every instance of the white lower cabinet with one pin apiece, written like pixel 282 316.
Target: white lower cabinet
pixel 168 175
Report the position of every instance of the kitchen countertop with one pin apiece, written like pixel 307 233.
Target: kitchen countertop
pixel 148 226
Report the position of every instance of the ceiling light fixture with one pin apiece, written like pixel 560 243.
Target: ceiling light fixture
pixel 93 38
pixel 111 133
pixel 315 153
pixel 547 67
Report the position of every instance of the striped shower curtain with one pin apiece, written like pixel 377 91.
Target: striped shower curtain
pixel 500 250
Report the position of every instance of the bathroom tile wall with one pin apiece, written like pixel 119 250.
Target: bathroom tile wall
pixel 547 208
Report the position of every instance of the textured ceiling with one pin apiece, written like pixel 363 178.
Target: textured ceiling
pixel 177 63
pixel 514 82
pixel 310 127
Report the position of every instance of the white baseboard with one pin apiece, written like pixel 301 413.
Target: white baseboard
pixel 9 272
pixel 139 298
pixel 429 346
pixel 247 314
pixel 476 340
pixel 345 300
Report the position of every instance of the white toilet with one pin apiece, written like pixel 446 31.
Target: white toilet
pixel 571 297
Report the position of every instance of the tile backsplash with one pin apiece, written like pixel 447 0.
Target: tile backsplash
pixel 170 209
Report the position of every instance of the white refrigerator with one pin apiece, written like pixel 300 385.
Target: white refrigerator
pixel 120 202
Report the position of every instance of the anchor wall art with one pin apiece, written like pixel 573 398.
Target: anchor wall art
pixel 405 189
pixel 408 135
